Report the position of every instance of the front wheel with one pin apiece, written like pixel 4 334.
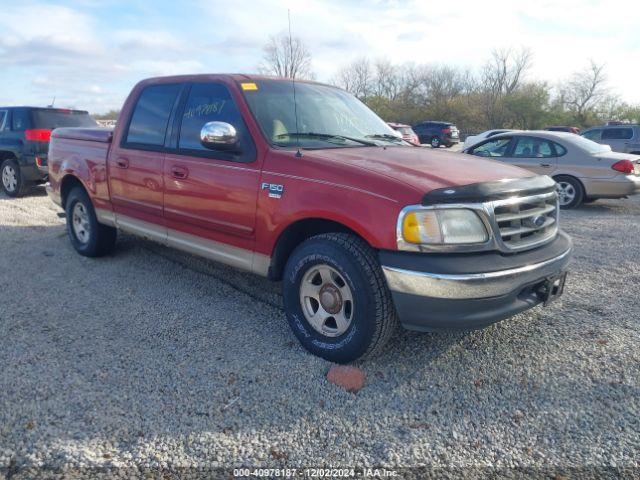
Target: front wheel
pixel 570 191
pixel 88 237
pixel 336 298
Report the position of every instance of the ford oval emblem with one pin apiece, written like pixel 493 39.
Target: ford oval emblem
pixel 537 221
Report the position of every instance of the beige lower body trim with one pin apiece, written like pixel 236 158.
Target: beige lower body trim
pixel 202 247
pixel 106 217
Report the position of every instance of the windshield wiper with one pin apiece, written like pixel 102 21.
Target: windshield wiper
pixel 386 136
pixel 328 136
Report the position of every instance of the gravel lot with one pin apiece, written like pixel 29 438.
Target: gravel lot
pixel 151 358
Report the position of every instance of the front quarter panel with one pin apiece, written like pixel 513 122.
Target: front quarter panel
pixel 309 193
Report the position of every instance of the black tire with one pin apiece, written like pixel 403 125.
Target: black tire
pixel 373 315
pixel 100 239
pixel 435 142
pixel 578 189
pixel 13 183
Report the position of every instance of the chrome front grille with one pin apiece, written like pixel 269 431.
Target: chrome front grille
pixel 526 222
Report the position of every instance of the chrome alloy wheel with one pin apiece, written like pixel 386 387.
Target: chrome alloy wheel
pixel 566 193
pixel 9 178
pixel 326 300
pixel 80 223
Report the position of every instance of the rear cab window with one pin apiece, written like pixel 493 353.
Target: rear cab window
pixel 148 124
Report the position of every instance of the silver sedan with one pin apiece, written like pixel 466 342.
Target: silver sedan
pixel 584 170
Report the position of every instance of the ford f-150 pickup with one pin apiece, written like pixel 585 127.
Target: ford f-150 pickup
pixel 364 230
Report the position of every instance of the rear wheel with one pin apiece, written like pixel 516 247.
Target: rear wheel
pixel 435 142
pixel 88 237
pixel 570 191
pixel 13 183
pixel 336 299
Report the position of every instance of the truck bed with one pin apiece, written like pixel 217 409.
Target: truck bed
pixel 100 134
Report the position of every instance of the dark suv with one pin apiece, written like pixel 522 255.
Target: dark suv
pixel 24 142
pixel 437 133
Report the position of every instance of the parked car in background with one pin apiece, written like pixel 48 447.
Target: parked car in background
pixel 437 133
pixel 621 138
pixel 363 229
pixel 583 170
pixel 24 142
pixel 473 139
pixel 406 131
pixel 575 130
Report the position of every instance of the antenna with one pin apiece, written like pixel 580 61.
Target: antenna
pixel 53 102
pixel 293 82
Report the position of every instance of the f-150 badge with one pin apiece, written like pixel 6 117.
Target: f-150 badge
pixel 275 189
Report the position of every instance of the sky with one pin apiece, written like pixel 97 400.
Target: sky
pixel 89 53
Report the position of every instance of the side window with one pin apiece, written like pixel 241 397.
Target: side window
pixel 3 119
pixel 212 102
pixel 617 134
pixel 19 120
pixel 593 135
pixel 560 150
pixel 150 116
pixel 493 148
pixel 529 147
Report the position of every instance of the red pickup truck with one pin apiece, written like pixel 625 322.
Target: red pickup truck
pixel 364 230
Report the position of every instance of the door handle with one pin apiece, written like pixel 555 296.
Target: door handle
pixel 122 162
pixel 545 164
pixel 179 172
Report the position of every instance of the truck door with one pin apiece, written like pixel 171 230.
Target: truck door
pixel 210 194
pixel 135 163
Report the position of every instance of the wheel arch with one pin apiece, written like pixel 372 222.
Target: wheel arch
pixel 296 233
pixel 7 155
pixel 68 183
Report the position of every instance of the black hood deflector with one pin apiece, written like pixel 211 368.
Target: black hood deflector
pixel 488 191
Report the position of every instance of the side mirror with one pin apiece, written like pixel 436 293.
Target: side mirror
pixel 219 136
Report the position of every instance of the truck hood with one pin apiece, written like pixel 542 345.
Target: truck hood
pixel 422 168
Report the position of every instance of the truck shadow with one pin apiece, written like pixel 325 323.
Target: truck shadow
pixel 33 191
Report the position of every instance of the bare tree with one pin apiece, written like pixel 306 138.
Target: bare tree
pixel 357 77
pixel 505 70
pixel 288 58
pixel 585 90
pixel 502 75
pixel 387 79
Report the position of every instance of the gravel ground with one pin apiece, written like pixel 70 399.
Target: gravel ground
pixel 151 358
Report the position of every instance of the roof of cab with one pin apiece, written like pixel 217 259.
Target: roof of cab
pixel 235 77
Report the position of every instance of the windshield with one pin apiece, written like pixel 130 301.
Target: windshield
pixel 327 117
pixel 588 145
pixel 51 119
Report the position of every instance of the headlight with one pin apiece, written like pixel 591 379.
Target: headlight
pixel 446 226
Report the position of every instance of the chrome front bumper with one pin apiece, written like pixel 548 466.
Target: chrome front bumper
pixel 471 291
pixel 471 285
